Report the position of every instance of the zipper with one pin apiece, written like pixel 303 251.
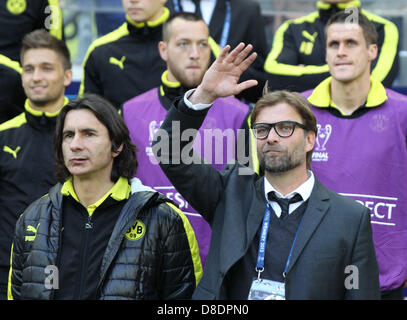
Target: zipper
pixel 89 224
pixel 84 261
pixel 58 255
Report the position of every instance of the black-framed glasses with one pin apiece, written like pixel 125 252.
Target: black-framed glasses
pixel 284 129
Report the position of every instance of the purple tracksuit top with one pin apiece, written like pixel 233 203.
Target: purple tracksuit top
pixel 365 158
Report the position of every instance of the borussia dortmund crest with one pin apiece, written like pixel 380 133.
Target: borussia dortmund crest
pixel 137 231
pixel 16 6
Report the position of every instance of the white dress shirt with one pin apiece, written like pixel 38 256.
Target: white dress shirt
pixel 304 190
pixel 198 106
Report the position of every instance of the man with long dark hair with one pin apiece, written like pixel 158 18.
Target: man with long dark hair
pixel 104 242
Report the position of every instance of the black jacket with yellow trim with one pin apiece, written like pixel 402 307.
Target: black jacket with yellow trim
pixel 297 59
pixel 164 262
pixel 19 17
pixel 125 62
pixel 26 171
pixel 12 95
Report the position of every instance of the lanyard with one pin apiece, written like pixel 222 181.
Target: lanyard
pixel 263 240
pixel 226 25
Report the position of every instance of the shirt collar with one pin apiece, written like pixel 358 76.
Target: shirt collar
pixel 119 192
pixel 321 95
pixel 304 189
pixel 38 113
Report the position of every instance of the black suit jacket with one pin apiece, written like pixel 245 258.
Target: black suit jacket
pixel 333 256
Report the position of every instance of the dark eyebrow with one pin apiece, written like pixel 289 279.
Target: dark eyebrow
pixel 85 130
pixel 44 63
pixel 65 132
pixel 333 41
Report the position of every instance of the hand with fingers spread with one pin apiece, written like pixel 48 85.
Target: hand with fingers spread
pixel 221 79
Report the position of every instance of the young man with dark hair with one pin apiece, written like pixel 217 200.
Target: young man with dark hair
pixel 296 60
pixel 361 142
pixel 105 242
pixel 26 157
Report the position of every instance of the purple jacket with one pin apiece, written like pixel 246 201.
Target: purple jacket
pixel 365 158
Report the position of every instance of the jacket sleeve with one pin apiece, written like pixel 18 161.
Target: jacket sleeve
pixel 386 66
pixel 362 275
pixel 199 183
pixel 282 64
pixel 182 268
pixel 16 262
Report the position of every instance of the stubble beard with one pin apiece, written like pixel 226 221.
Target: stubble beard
pixel 279 164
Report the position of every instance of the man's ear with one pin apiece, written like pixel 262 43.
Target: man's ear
pixel 310 141
pixel 118 150
pixel 372 51
pixel 162 49
pixel 67 77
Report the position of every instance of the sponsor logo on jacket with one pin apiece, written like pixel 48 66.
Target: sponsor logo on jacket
pixel 116 62
pixel 11 151
pixel 16 6
pixel 307 46
pixel 382 208
pixel 33 230
pixel 137 231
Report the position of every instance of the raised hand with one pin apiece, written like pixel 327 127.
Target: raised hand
pixel 221 79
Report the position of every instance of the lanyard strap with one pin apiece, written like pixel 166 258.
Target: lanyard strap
pixel 226 26
pixel 263 241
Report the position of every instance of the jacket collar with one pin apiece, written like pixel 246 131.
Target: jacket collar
pixel 169 91
pixel 321 95
pixel 39 119
pixel 147 29
pixel 120 191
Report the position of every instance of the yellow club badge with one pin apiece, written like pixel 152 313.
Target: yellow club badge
pixel 137 231
pixel 16 6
